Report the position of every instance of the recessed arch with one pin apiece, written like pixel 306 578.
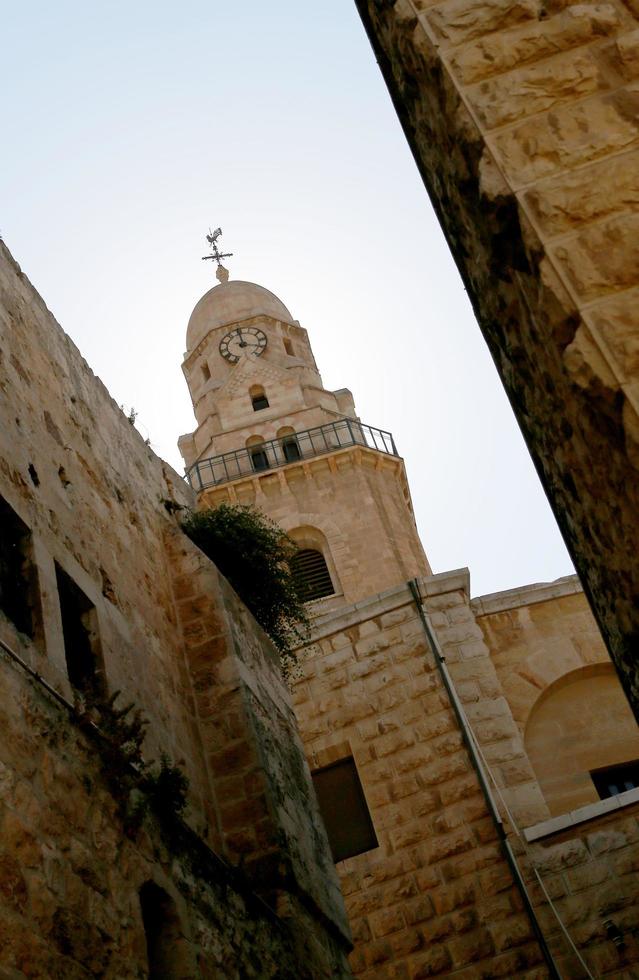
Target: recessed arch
pixel 580 723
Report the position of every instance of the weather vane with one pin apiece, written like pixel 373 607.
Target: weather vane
pixel 212 237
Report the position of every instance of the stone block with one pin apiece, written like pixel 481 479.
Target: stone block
pixel 433 963
pixel 556 857
pixel 386 921
pixel 602 258
pixel 536 88
pixel 499 53
pixel 456 21
pixel 577 134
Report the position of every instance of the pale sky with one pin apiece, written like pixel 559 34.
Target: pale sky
pixel 130 128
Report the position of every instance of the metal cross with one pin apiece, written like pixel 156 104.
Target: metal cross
pixel 212 238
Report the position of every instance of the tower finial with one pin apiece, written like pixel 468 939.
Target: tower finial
pixel 222 274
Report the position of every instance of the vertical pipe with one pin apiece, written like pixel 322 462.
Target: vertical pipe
pixel 460 714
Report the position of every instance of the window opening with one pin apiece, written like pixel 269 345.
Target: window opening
pixel 19 594
pixel 81 638
pixel 614 780
pixel 206 372
pixel 259 402
pixel 165 944
pixel 288 347
pixel 311 573
pixel 291 448
pixel 344 809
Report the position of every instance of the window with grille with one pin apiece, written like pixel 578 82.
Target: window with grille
pixel 342 803
pixel 614 780
pixel 311 574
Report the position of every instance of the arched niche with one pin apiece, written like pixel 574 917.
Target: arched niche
pixel 580 723
pixel 169 953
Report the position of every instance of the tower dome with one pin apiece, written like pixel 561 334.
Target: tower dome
pixel 231 302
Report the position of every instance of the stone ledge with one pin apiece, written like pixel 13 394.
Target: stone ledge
pixel 526 595
pixel 580 815
pixel 456 580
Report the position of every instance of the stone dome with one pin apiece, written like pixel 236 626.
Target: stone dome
pixel 231 302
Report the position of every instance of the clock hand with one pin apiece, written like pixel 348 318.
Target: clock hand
pixel 242 342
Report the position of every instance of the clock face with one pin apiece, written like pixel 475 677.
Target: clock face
pixel 241 341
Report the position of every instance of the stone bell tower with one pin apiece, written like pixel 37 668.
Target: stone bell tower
pixel 269 434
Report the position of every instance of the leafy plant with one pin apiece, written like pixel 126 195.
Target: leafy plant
pixel 136 785
pixel 253 553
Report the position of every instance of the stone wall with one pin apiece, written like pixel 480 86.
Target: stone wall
pixel 71 872
pixel 523 121
pixel 589 870
pixel 551 662
pixel 168 632
pixel 436 896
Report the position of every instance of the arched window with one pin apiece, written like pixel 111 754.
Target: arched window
pixel 206 372
pixel 257 453
pixel 311 573
pixel 288 347
pixel 258 398
pixel 167 948
pixel 290 445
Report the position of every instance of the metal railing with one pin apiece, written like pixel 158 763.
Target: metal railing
pixel 289 449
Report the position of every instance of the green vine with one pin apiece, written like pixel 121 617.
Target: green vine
pixel 253 553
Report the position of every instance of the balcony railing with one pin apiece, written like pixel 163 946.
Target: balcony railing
pixel 289 449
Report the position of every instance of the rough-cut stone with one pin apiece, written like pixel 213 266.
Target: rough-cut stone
pixel 456 70
pixel 168 633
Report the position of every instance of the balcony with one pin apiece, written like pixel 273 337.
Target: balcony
pixel 291 448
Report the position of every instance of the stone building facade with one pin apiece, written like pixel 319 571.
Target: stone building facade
pixel 461 748
pixel 100 592
pixel 523 121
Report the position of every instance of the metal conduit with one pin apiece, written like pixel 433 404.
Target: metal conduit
pixel 460 714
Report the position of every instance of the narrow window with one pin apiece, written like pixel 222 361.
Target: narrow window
pixel 343 807
pixel 19 594
pixel 166 947
pixel 288 347
pixel 614 780
pixel 81 639
pixel 206 372
pixel 258 398
pixel 311 574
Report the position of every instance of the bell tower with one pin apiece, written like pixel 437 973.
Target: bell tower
pixel 270 435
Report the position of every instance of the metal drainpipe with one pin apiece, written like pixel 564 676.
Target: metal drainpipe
pixel 460 714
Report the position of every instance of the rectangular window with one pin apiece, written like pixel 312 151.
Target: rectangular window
pixel 614 780
pixel 343 807
pixel 19 592
pixel 81 638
